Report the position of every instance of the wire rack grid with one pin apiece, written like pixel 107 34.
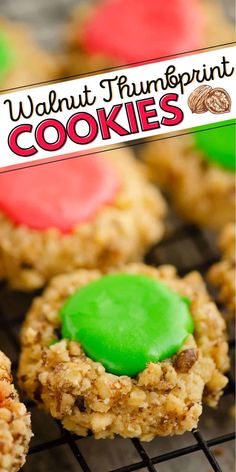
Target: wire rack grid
pixel 197 252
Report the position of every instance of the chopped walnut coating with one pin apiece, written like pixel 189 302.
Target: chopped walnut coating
pixel 223 273
pixel 15 426
pixel 166 398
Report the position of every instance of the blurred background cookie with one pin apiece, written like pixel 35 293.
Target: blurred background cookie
pixel 118 32
pixel 198 173
pixel 22 62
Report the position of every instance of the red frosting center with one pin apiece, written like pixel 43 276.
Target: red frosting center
pixel 59 195
pixel 137 30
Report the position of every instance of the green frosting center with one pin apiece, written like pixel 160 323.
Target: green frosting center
pixel 6 55
pixel 125 321
pixel 218 145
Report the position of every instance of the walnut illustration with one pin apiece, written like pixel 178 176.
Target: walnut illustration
pixel 197 99
pixel 218 101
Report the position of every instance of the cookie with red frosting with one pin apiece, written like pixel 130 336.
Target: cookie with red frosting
pixel 94 211
pixel 120 32
pixel 21 61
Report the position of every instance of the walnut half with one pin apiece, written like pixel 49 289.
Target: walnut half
pixel 185 360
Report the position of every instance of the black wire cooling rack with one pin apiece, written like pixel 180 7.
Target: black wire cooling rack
pixel 55 450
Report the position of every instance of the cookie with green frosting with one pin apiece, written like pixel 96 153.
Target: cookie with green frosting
pixel 135 352
pixel 22 62
pixel 197 172
pixel 125 321
pixel 6 55
pixel 218 143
